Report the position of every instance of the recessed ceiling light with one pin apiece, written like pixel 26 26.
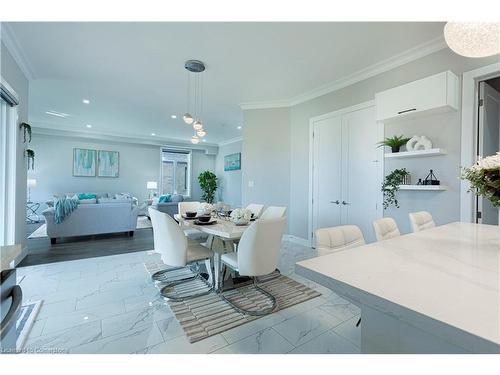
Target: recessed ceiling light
pixel 88 126
pixel 153 134
pixel 239 127
pixel 203 140
pixel 173 116
pixel 86 101
pixel 57 114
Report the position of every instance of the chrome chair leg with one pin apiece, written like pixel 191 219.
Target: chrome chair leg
pixel 261 312
pixel 168 291
pixel 162 275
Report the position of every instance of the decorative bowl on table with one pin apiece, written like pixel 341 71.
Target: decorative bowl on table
pixel 241 216
pixel 191 214
pixel 204 218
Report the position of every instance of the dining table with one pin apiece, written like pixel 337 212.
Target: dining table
pixel 433 291
pixel 223 234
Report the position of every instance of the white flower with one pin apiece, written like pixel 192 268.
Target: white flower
pixel 241 215
pixel 205 209
pixel 490 162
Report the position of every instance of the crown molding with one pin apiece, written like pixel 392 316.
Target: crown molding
pixel 383 66
pixel 230 141
pixel 265 104
pixel 209 148
pixel 11 43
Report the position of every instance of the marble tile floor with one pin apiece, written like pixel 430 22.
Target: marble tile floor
pixel 110 305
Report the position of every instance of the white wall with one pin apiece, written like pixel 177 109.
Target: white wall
pixel 11 72
pixel 287 130
pixel 139 163
pixel 229 190
pixel 266 157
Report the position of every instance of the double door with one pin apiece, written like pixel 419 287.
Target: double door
pixel 347 170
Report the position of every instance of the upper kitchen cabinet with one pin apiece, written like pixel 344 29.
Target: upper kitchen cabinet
pixel 434 94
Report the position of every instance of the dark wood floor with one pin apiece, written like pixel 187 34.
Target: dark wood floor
pixel 40 251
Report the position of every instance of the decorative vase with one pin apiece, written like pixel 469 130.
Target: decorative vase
pixel 395 149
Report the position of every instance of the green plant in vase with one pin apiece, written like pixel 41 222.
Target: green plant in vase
pixel 394 143
pixel 208 184
pixel 391 185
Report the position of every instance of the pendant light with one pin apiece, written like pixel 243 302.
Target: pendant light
pixel 195 67
pixel 473 39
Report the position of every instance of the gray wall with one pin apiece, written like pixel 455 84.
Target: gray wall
pixel 260 124
pixel 138 164
pixel 229 190
pixel 266 157
pixel 11 72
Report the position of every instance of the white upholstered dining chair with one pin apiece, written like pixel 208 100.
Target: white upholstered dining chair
pixel 385 229
pixel 273 212
pixel 258 254
pixel 179 254
pixel 255 209
pixel 192 233
pixel 329 240
pixel 188 206
pixel 421 220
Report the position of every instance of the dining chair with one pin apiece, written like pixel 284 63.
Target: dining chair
pixel 421 221
pixel 385 228
pixel 330 240
pixel 258 254
pixel 192 233
pixel 256 209
pixel 179 254
pixel 273 212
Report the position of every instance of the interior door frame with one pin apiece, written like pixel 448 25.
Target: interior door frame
pixel 312 121
pixel 470 96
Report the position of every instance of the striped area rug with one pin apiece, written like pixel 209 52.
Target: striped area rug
pixel 209 315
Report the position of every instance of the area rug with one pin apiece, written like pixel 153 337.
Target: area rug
pixel 142 223
pixel 25 321
pixel 209 315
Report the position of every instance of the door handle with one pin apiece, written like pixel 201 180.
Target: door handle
pixel 336 202
pixel 10 318
pixel 345 203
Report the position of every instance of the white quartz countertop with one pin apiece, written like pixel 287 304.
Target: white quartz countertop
pixel 449 273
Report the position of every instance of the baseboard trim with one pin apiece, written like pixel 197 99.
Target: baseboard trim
pixel 297 240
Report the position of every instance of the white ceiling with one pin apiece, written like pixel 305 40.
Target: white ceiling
pixel 133 73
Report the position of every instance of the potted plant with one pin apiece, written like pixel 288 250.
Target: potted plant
pixel 484 178
pixel 394 142
pixel 391 185
pixel 208 184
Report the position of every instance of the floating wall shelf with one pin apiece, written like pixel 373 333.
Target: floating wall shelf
pixel 416 154
pixel 423 187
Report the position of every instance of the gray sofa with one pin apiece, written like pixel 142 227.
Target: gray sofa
pixel 171 207
pixel 90 219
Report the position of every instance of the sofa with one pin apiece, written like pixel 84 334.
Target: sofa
pixel 171 208
pixel 93 218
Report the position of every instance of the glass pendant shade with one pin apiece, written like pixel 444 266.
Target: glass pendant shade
pixel 197 125
pixel 201 133
pixel 195 140
pixel 473 39
pixel 188 119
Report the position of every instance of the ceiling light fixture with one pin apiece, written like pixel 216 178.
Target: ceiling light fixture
pixel 86 101
pixel 88 126
pixel 473 39
pixel 194 67
pixel 57 114
pixel 173 116
pixel 201 133
pixel 153 134
pixel 195 140
pixel 239 128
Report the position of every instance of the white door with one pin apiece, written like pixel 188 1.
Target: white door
pixel 363 175
pixel 327 173
pixel 488 143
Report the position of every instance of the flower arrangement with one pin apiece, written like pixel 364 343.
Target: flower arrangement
pixel 241 216
pixel 205 209
pixel 484 178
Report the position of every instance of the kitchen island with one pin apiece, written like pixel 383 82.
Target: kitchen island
pixel 435 291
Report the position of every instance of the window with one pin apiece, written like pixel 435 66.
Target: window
pixel 175 172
